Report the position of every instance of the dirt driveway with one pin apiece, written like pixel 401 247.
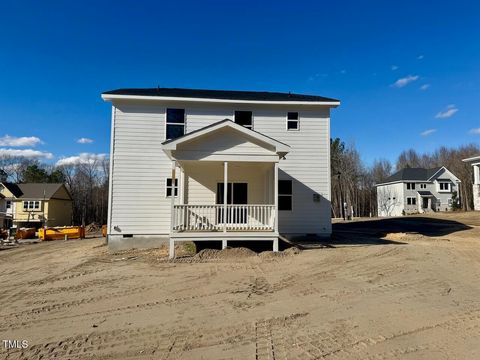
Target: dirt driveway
pixel 408 295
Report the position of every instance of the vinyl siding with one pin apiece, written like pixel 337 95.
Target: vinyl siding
pixel 138 203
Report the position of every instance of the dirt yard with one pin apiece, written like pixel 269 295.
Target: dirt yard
pixel 383 289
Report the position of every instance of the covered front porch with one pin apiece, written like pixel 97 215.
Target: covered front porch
pixel 425 202
pixel 227 185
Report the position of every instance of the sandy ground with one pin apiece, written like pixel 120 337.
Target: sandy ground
pixel 369 294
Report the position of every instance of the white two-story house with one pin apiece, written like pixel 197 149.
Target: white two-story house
pixel 475 162
pixel 193 165
pixel 417 190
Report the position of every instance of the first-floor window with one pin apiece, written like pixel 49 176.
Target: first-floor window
pixel 168 187
pixel 292 121
pixel 411 201
pixel 285 194
pixel 175 123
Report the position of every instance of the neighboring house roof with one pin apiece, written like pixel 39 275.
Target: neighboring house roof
pixel 412 174
pixel 226 95
pixel 33 190
pixel 416 174
pixel 13 188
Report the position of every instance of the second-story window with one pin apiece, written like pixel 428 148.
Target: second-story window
pixel 292 121
pixel 9 204
pixel 244 118
pixel 444 186
pixel 31 205
pixel 175 123
pixel 410 186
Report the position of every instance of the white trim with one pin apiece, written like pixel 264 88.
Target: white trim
pixel 110 171
pixel 207 156
pixel 405 181
pixel 225 194
pixel 110 97
pixel 472 159
pixel 275 179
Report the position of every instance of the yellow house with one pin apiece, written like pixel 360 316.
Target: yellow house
pixel 37 204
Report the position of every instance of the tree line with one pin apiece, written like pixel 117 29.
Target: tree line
pixel 353 183
pixel 87 182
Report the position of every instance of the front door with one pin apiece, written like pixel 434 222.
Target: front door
pixel 237 194
pixel 424 203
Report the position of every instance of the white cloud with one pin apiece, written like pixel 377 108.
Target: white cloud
pixel 8 140
pixel 85 141
pixel 83 158
pixel 25 153
pixel 475 131
pixel 428 132
pixel 405 81
pixel 424 87
pixel 317 76
pixel 420 57
pixel 448 112
pixel 394 67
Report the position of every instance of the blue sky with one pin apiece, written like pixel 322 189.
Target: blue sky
pixel 400 68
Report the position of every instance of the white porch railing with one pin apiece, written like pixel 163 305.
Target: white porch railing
pixel 211 218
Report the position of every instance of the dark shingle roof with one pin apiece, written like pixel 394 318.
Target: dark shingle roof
pixel 414 174
pixel 425 193
pixel 36 191
pixel 220 94
pixel 33 190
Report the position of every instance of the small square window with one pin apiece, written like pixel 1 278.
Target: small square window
pixel 168 187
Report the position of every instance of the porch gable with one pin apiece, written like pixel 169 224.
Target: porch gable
pixel 225 141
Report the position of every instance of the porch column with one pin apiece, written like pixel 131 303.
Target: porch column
pixel 225 193
pixel 171 248
pixel 275 194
